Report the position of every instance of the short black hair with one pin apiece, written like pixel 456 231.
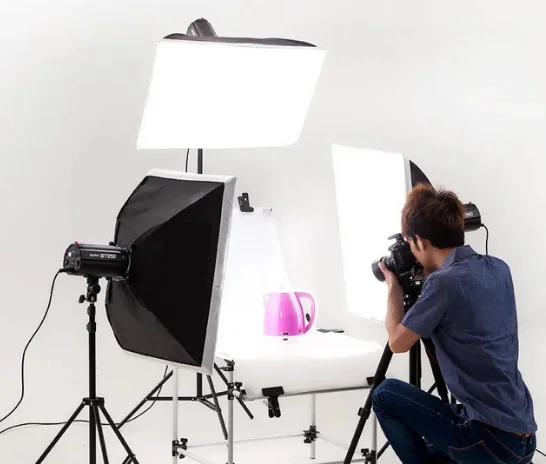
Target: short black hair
pixel 435 215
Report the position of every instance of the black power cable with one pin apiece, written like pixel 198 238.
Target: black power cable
pixel 486 239
pixel 187 159
pixel 28 344
pixel 82 421
pixel 153 402
pixel 60 271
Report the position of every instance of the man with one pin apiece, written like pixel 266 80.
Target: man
pixel 467 307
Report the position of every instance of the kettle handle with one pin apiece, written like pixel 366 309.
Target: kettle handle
pixel 313 309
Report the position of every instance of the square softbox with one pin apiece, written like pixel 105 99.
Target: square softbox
pixel 176 227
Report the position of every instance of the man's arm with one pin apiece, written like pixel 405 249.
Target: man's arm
pixel 421 320
pixel 401 339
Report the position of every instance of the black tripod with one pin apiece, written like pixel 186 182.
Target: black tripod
pixel 200 397
pixel 414 378
pixel 95 404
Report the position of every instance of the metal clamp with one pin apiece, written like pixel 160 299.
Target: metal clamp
pixel 272 394
pixel 244 203
pixel 310 435
pixel 178 445
pixel 235 390
pixel 370 456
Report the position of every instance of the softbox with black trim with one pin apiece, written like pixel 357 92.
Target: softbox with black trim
pixel 176 228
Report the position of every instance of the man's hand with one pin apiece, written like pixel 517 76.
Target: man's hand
pixel 401 339
pixel 391 279
pixel 423 274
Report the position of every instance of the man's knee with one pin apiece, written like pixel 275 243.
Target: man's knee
pixel 385 391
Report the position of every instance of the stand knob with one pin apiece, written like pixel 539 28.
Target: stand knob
pixel 370 457
pixel 81 299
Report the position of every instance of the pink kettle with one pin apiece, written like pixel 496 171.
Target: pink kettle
pixel 285 316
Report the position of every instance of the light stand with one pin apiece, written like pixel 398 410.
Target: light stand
pixel 216 406
pixel 95 404
pixel 159 252
pixel 371 456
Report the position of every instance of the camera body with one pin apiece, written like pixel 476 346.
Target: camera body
pixel 403 264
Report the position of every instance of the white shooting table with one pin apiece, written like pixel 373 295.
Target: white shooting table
pixel 312 364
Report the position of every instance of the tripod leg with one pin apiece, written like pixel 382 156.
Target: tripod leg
pixel 239 400
pixel 145 399
pixel 436 372
pixel 102 443
pixel 92 437
pixel 118 433
pixel 218 409
pixel 374 436
pixel 382 450
pixel 365 412
pixel 440 383
pixel 61 433
pixel 199 392
pixel 245 408
pixel 415 365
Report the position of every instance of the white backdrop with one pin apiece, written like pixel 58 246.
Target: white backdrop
pixel 456 86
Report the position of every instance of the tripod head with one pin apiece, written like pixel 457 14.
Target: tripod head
pixel 93 289
pixel 412 294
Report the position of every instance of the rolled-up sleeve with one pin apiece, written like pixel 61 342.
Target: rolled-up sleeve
pixel 429 309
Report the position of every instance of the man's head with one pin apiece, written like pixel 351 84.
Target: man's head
pixel 433 224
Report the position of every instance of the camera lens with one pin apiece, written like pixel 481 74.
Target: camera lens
pixel 377 272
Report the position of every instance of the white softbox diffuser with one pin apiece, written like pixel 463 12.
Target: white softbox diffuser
pixel 371 188
pixel 176 226
pixel 221 93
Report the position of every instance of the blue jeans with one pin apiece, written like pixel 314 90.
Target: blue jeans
pixel 423 429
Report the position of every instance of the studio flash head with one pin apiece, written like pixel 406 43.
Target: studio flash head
pixel 108 261
pixel 472 218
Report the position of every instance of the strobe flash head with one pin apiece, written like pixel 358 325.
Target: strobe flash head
pixel 472 217
pixel 107 261
pixel 201 28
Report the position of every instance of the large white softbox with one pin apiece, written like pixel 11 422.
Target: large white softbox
pixel 218 92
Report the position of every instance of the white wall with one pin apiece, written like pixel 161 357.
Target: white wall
pixel 457 86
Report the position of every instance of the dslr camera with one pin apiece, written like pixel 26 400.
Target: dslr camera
pixel 402 264
pixel 405 266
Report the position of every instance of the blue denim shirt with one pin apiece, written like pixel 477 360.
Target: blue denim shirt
pixel 468 309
